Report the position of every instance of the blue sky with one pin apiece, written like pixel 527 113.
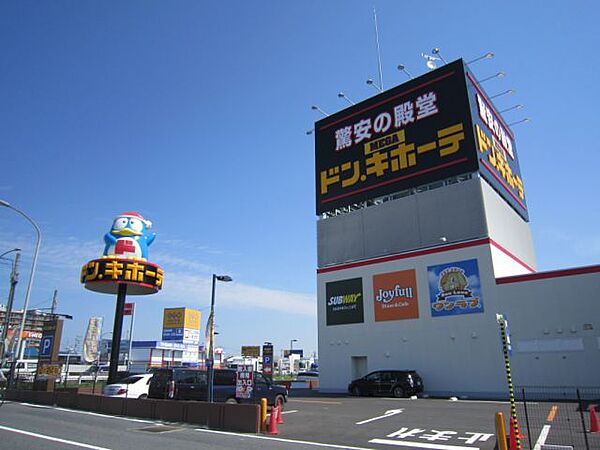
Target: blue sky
pixel 195 115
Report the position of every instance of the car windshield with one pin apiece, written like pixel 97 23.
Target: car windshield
pixel 131 380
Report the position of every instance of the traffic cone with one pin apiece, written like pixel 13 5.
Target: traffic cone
pixel 513 436
pixel 279 415
pixel 273 421
pixel 594 426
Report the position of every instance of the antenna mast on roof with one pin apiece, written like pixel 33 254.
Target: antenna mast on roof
pixel 378 50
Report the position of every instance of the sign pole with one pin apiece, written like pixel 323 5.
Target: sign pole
pixel 130 336
pixel 115 348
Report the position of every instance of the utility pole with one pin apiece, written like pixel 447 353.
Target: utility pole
pixel 14 279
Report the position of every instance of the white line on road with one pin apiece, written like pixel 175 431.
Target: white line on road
pixel 289 441
pixel 390 413
pixel 51 438
pixel 542 439
pixel 87 413
pixel 421 445
pixel 289 412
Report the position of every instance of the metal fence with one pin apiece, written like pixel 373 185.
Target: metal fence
pixel 558 418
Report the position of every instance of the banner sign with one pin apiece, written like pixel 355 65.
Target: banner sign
pixel 395 296
pixel 251 350
pixel 497 153
pixel 344 302
pixel 413 134
pixel 244 382
pixel 455 288
pixel 267 366
pixel 91 352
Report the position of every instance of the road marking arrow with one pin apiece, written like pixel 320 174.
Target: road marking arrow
pixel 388 413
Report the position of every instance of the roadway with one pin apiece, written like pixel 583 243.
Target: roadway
pixel 310 423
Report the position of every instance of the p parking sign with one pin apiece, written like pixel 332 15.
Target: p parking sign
pixel 46 346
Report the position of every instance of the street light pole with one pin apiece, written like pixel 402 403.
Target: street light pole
pixel 14 279
pixel 210 361
pixel 31 274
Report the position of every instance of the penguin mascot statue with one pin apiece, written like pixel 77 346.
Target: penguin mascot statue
pixel 129 237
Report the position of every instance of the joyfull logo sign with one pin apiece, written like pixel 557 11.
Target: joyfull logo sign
pixel 395 296
pixel 344 302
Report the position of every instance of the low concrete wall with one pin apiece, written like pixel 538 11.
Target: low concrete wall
pixel 218 416
pixel 112 405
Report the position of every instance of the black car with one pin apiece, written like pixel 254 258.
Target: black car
pixel 192 384
pixel 395 383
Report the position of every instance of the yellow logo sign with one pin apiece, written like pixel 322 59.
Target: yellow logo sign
pixel 181 318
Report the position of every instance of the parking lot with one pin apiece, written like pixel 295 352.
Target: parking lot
pixel 383 422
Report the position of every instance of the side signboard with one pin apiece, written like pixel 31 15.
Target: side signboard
pixel 496 149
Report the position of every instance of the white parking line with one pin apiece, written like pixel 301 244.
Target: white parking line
pixel 421 445
pixel 542 438
pixel 289 441
pixel 51 438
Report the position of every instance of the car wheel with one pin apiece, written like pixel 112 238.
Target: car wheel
pixel 356 391
pixel 398 392
pixel 143 396
pixel 280 401
pixel 231 401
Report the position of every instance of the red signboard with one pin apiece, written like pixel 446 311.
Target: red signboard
pixel 128 310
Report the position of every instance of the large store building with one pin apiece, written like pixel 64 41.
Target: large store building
pixel 423 238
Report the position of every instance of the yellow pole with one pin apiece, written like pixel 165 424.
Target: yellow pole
pixel 511 392
pixel 501 432
pixel 263 415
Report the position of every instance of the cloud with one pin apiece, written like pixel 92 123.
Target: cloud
pixel 194 288
pixel 187 279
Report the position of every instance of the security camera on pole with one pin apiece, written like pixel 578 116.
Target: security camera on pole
pixel 123 269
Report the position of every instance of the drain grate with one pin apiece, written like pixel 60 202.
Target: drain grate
pixel 158 429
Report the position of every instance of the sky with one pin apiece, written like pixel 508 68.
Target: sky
pixel 195 114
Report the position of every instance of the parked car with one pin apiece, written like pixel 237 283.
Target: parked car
pixel 307 376
pixel 192 384
pixel 133 386
pixel 395 383
pixel 25 369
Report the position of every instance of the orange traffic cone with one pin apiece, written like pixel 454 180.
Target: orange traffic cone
pixel 594 426
pixel 279 414
pixel 273 421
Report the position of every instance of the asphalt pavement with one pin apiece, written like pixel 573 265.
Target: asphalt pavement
pixel 310 422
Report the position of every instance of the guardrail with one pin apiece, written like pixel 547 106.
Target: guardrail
pixel 217 416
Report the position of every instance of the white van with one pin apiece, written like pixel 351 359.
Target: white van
pixel 24 370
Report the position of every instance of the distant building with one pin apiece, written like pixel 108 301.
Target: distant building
pixel 32 333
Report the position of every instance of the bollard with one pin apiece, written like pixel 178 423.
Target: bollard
pixel 263 414
pixel 501 432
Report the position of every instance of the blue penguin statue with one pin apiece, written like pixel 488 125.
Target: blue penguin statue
pixel 129 237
